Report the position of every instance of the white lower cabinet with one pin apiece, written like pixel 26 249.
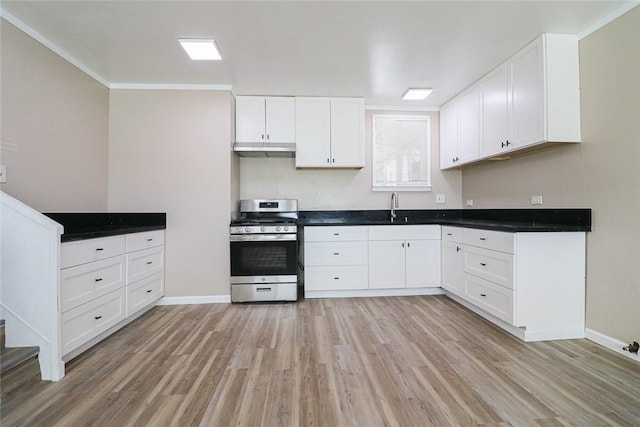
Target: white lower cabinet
pixel 106 280
pixel 335 258
pixel 531 284
pixel 452 259
pixel 79 325
pixel 404 256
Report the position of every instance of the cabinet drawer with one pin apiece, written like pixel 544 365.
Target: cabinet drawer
pixel 145 240
pixel 452 234
pixel 404 232
pixel 87 282
pixel 335 234
pixel 490 265
pixel 144 292
pixel 335 253
pixel 490 297
pixel 89 320
pixel 144 263
pixel 495 240
pixel 83 251
pixel 335 278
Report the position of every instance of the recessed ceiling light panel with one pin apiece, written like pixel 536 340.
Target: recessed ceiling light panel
pixel 201 49
pixel 416 94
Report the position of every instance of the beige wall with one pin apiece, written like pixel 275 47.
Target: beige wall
pixel 602 173
pixel 169 151
pixel 54 128
pixel 320 189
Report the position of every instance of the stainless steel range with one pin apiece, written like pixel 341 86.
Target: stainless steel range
pixel 264 251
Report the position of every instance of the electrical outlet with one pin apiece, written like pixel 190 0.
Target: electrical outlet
pixel 3 174
pixel 469 203
pixel 536 200
pixel 440 198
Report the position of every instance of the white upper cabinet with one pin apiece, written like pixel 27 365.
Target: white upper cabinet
pixel 330 133
pixel 265 119
pixel 459 129
pixel 495 110
pixel 531 99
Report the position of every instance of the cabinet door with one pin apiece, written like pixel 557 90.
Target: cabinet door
pixel 281 119
pixel 422 263
pixel 313 132
pixel 494 111
pixel 469 125
pixel 452 267
pixel 250 117
pixel 527 96
pixel 347 132
pixel 449 134
pixel 386 264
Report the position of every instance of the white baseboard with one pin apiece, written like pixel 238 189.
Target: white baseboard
pixel 205 299
pixel 610 343
pixel 374 293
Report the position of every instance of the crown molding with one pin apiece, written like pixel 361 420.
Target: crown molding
pixel 168 86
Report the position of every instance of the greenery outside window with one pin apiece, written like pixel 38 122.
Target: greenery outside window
pixel 401 153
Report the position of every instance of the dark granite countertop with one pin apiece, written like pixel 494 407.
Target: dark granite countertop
pixel 81 226
pixel 510 220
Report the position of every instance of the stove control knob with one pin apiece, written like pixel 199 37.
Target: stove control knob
pixel 286 228
pixel 278 228
pixel 263 229
pixel 247 229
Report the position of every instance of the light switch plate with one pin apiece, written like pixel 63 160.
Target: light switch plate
pixel 536 200
pixel 3 174
pixel 440 198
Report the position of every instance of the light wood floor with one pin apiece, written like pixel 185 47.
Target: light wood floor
pixel 405 361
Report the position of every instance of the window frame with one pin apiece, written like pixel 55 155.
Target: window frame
pixel 424 186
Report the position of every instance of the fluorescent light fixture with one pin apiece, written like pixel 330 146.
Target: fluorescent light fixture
pixel 201 49
pixel 416 94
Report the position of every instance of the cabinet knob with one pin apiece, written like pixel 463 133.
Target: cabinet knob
pixel 262 136
pixel 457 248
pixel 148 290
pixel 267 136
pixel 408 244
pixel 507 143
pixel 403 244
pixel 333 160
pixel 328 160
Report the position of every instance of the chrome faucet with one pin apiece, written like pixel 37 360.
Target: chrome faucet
pixel 394 205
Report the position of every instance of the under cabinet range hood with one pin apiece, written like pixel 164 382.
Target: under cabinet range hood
pixel 260 149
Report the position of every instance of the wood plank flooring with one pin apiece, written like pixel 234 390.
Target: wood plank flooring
pixel 401 361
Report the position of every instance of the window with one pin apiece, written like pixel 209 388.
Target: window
pixel 401 153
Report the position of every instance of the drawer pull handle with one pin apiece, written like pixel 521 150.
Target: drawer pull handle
pixel 457 248
pixel 148 291
pixel 98 317
pixel 336 253
pixel 263 289
pixel 99 249
pixel 449 234
pixel 484 264
pixel 149 240
pixel 408 244
pixel 336 278
pixel 403 244
pixel 99 279
pixel 149 262
pixel 483 295
pixel 483 238
pixel 336 234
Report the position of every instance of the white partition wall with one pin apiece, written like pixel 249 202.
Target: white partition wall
pixel 29 280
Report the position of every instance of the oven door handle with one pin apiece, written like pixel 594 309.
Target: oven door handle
pixel 262 237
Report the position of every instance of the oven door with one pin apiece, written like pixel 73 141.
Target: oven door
pixel 260 255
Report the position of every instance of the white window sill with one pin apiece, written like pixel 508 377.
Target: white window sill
pixel 390 188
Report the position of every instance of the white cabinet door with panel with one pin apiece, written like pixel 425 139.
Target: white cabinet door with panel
pixel 452 259
pixel 495 110
pixel 265 119
pixel 330 132
pixel 387 264
pixel 449 134
pixel 460 129
pixel 422 264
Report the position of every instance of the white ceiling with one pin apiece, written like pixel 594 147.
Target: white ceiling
pixel 316 48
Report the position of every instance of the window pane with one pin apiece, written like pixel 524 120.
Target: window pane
pixel 401 151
